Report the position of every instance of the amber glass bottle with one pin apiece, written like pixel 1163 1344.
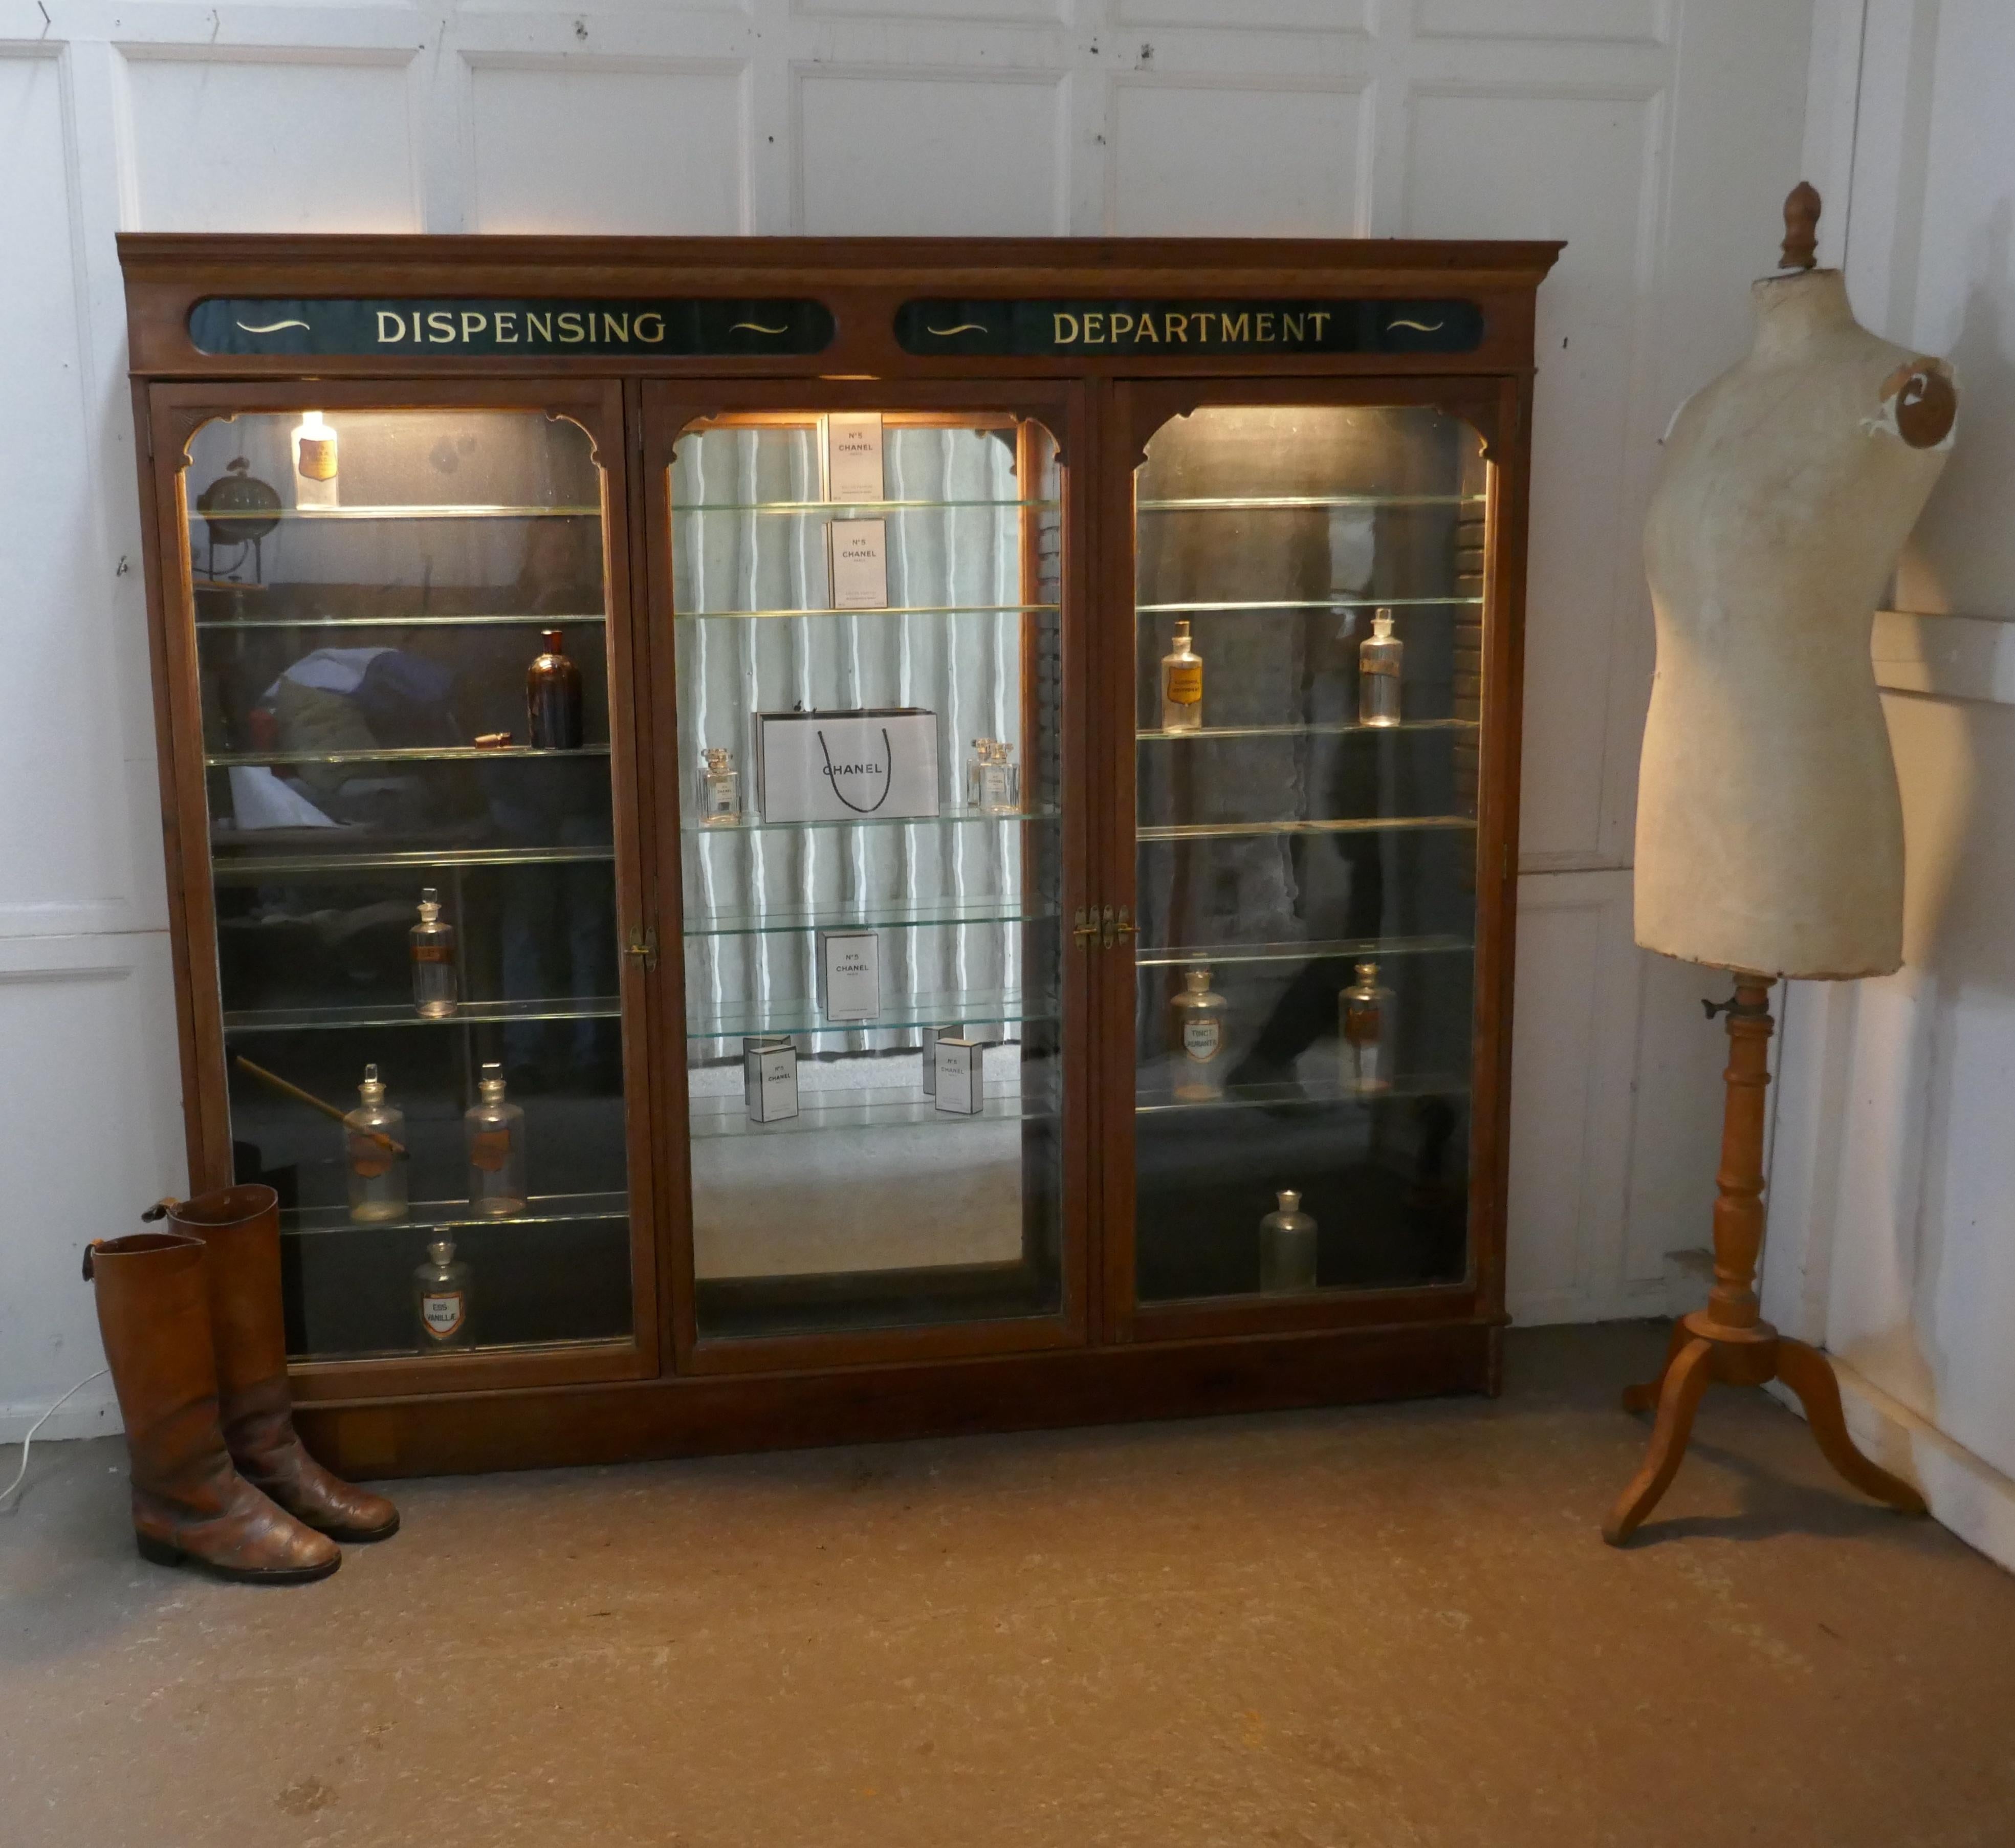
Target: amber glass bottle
pixel 552 697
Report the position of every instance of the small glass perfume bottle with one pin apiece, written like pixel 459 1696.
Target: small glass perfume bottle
pixel 495 1133
pixel 1287 1246
pixel 992 782
pixel 373 1149
pixel 721 788
pixel 552 697
pixel 1182 684
pixel 440 1297
pixel 434 984
pixel 1364 1012
pixel 1198 1058
pixel 314 461
pixel 1378 657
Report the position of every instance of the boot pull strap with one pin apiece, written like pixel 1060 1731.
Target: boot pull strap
pixel 89 1274
pixel 160 1209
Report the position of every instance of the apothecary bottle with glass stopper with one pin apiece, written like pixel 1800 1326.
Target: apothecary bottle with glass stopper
pixel 435 988
pixel 375 1154
pixel 493 1129
pixel 441 1297
pixel 1182 684
pixel 1364 1012
pixel 1379 656
pixel 1198 1054
pixel 1287 1246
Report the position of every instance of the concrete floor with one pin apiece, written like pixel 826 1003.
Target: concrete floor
pixel 1394 1627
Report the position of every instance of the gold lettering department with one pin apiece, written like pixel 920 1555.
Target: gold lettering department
pixel 1248 327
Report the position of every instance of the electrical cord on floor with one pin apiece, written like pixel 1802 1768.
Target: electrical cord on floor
pixel 21 1475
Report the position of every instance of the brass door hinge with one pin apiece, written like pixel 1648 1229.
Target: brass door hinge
pixel 644 947
pixel 1086 929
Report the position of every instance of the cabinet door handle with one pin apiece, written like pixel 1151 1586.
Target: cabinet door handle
pixel 644 947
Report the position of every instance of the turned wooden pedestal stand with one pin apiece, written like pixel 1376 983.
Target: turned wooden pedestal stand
pixel 1728 1340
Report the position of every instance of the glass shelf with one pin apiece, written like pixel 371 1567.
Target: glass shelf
pixel 319 515
pixel 260 868
pixel 1327 729
pixel 1353 947
pixel 1267 503
pixel 847 507
pixel 1297 1096
pixel 512 619
pixel 971 1009
pixel 452 753
pixel 1357 825
pixel 470 1013
pixel 943 817
pixel 877 1108
pixel 1236 608
pixel 552 1208
pixel 744 616
pixel 922 914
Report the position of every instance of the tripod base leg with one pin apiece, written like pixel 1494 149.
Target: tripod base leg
pixel 1686 1379
pixel 1805 1371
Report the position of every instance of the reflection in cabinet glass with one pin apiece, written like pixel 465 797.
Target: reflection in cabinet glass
pixel 355 639
pixel 1283 839
pixel 883 1200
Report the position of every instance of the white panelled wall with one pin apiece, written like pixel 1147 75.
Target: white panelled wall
pixel 1657 136
pixel 1892 1237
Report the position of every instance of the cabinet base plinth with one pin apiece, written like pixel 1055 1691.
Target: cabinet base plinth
pixel 688 1416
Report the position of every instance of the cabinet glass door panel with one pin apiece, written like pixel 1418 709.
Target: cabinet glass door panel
pixel 370 591
pixel 1308 651
pixel 869 638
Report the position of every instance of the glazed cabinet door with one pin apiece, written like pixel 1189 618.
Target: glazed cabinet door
pixel 1309 856
pixel 397 661
pixel 864 620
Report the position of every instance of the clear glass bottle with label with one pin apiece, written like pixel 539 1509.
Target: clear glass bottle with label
pixel 1364 1015
pixel 314 448
pixel 494 1130
pixel 1287 1246
pixel 1197 1055
pixel 1182 684
pixel 436 989
pixel 441 1297
pixel 721 788
pixel 1379 656
pixel 992 783
pixel 375 1154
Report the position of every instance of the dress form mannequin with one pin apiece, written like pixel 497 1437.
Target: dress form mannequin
pixel 1769 829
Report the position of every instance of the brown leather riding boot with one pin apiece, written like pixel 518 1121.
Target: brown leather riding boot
pixel 240 1227
pixel 188 1503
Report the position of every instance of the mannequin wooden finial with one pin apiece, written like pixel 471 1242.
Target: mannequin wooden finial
pixel 1801 227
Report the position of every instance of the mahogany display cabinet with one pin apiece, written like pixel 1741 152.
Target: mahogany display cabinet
pixel 966 791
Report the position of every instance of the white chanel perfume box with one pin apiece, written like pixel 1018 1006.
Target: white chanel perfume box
pixel 859 550
pixel 837 766
pixel 961 1083
pixel 932 1036
pixel 849 974
pixel 770 1078
pixel 853 456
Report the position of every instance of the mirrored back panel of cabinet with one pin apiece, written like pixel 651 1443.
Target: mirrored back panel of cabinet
pixel 868 619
